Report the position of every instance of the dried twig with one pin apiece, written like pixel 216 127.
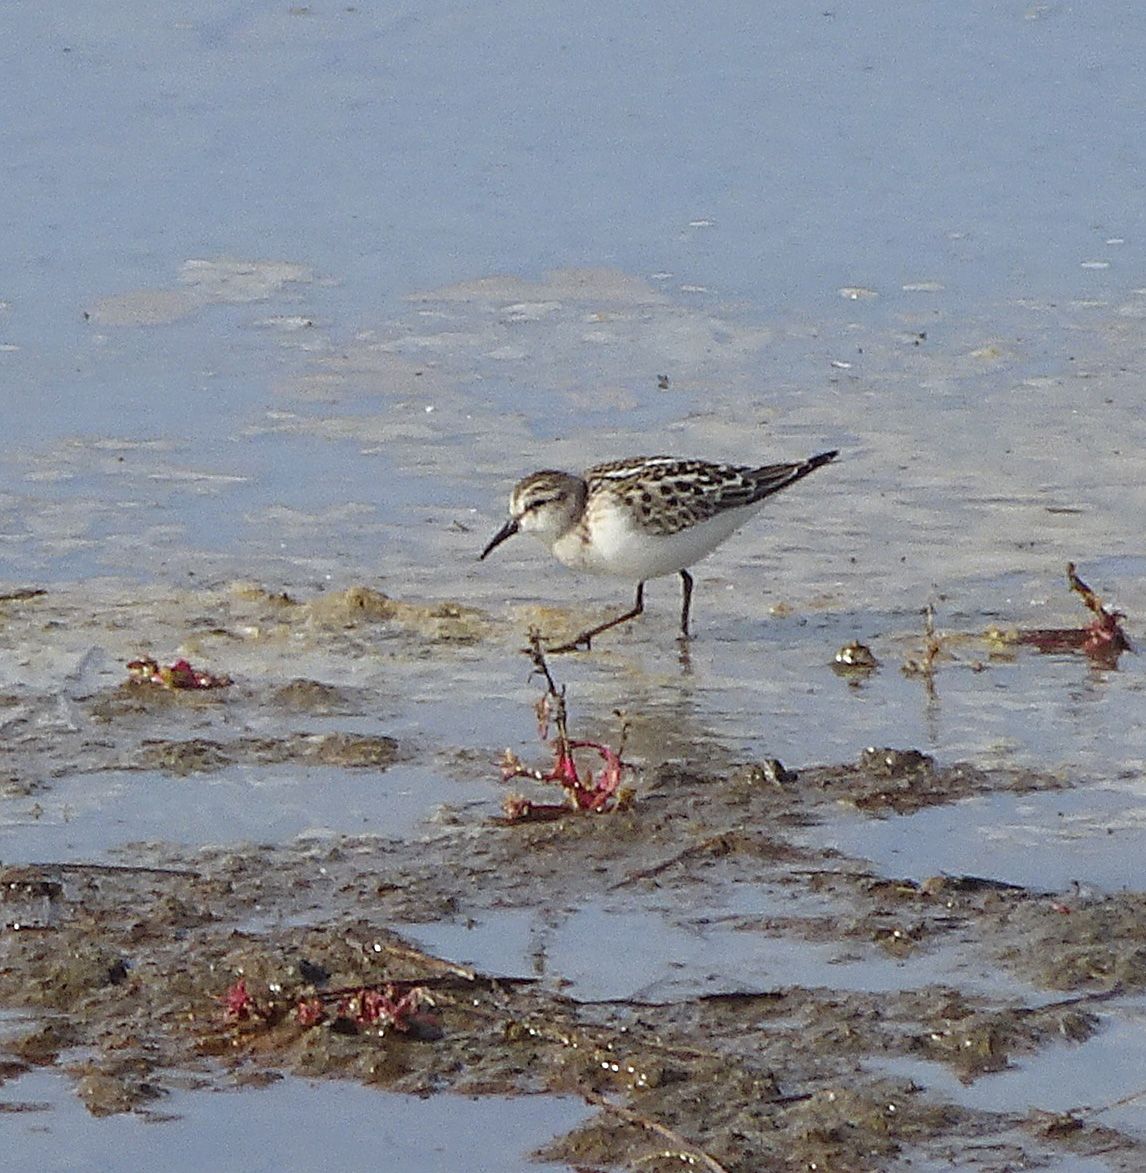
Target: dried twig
pixel 722 840
pixel 112 869
pixel 924 667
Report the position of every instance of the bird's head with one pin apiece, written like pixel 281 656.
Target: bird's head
pixel 544 504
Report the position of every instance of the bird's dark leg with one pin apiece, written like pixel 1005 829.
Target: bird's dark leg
pixel 585 639
pixel 686 602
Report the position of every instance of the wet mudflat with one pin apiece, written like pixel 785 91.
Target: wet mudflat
pixel 917 941
pixel 696 966
pixel 294 295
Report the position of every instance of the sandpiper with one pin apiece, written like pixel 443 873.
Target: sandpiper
pixel 642 518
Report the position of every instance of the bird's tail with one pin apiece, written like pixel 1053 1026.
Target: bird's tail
pixel 771 478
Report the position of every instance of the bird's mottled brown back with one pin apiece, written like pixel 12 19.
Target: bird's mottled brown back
pixel 667 495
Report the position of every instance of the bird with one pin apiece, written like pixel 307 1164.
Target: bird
pixel 642 518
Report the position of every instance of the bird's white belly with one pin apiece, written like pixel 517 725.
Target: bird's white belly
pixel 621 549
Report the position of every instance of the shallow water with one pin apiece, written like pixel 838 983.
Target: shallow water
pixel 1105 1066
pixel 346 1127
pixel 295 295
pixel 637 951
pixel 1091 837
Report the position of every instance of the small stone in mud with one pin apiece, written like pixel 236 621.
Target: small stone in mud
pixel 769 772
pixel 855 659
pixel 884 762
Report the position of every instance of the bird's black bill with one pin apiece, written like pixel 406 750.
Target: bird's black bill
pixel 506 531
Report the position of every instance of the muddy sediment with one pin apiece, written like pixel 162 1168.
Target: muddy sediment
pixel 175 967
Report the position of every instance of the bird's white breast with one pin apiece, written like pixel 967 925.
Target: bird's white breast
pixel 619 547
